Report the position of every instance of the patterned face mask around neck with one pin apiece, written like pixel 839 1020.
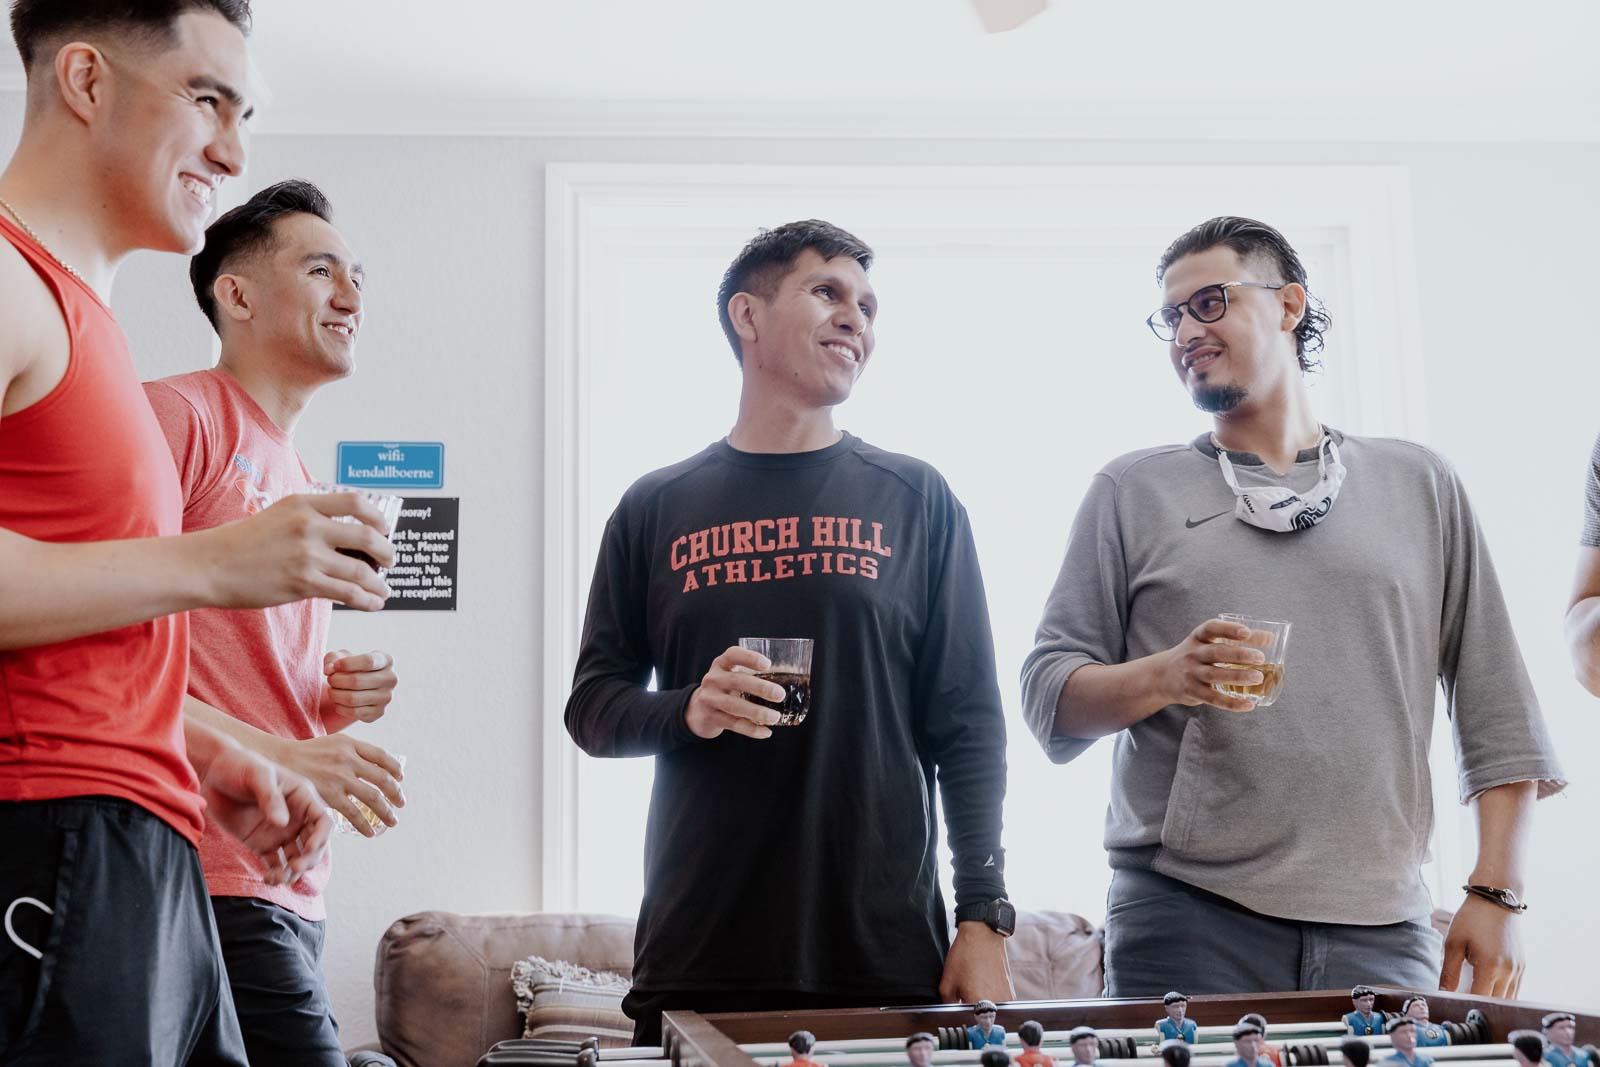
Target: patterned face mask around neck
pixel 1279 509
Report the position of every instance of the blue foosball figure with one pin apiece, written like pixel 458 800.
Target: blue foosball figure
pixel 985 1033
pixel 1429 1034
pixel 1175 1027
pixel 1560 1031
pixel 1247 1040
pixel 1363 1021
pixel 1403 1035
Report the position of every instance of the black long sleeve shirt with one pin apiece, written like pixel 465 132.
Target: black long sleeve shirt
pixel 807 861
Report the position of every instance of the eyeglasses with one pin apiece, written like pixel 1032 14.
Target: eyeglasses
pixel 1206 305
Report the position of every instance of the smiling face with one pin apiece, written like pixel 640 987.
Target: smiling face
pixel 303 296
pixel 812 338
pixel 174 130
pixel 1177 1010
pixel 1247 354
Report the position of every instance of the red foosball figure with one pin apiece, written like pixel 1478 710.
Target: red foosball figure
pixel 1031 1034
pixel 801 1042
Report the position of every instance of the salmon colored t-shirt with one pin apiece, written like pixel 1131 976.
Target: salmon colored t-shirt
pixel 100 714
pixel 261 667
pixel 1034 1059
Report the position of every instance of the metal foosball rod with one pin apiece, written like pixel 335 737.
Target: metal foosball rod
pixel 1052 1038
pixel 1212 1054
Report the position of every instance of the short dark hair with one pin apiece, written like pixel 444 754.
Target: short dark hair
pixel 1175 1053
pixel 1255 1018
pixel 994 1057
pixel 802 1042
pixel 1258 241
pixel 1528 1042
pixel 35 21
pixel 1031 1031
pixel 247 231
pixel 770 255
pixel 1174 997
pixel 920 1036
pixel 1357 1051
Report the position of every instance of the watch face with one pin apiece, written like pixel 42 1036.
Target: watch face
pixel 1005 917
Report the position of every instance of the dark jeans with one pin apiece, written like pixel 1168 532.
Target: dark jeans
pixel 1162 934
pixel 129 969
pixel 274 960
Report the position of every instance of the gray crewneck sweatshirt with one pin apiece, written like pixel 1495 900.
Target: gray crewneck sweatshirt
pixel 1319 807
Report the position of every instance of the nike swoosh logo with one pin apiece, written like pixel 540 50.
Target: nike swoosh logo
pixel 1190 524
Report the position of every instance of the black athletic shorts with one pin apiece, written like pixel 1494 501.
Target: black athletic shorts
pixel 129 970
pixel 274 960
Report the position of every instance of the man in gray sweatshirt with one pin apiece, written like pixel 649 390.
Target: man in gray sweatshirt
pixel 1281 848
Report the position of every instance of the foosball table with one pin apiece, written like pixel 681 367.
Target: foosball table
pixel 1303 1029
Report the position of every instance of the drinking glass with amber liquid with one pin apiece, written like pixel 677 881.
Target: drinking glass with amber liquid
pixel 791 668
pixel 1272 639
pixel 387 503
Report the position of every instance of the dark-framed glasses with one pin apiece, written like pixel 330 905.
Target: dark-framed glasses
pixel 1204 305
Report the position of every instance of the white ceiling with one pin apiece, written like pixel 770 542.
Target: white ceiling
pixel 1355 69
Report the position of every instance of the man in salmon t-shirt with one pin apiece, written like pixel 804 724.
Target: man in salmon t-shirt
pixel 133 118
pixel 283 290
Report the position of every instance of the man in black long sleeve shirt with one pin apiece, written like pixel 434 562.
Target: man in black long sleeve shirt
pixel 798 866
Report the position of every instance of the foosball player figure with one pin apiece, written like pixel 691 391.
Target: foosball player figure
pixel 1560 1031
pixel 919 1049
pixel 1174 1052
pixel 1527 1047
pixel 801 1042
pixel 1175 1026
pixel 1403 1035
pixel 1428 1034
pixel 985 1032
pixel 1269 1051
pixel 1363 1021
pixel 1085 1045
pixel 1247 1046
pixel 1356 1052
pixel 1031 1034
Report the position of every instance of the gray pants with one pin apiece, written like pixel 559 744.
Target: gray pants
pixel 1162 934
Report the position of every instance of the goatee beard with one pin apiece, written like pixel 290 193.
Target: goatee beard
pixel 1216 399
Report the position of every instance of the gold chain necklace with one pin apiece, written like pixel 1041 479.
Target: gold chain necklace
pixel 63 264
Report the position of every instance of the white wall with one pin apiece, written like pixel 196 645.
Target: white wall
pixel 450 229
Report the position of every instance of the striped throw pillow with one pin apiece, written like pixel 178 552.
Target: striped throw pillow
pixel 561 1001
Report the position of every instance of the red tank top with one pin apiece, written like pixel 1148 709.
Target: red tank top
pixel 102 714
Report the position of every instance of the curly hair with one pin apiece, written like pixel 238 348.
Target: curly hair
pixel 1258 241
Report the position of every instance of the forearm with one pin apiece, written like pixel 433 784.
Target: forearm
pixel 1505 817
pixel 52 592
pixel 1101 699
pixel 1583 642
pixel 212 719
pixel 612 717
pixel 203 742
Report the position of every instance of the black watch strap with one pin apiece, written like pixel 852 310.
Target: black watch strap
pixel 998 915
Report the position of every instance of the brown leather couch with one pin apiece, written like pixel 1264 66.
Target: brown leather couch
pixel 443 981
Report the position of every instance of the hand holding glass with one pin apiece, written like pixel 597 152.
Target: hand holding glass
pixel 1272 638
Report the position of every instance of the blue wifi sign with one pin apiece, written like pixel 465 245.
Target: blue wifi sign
pixel 392 464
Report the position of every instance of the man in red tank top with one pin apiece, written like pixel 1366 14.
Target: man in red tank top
pixel 283 290
pixel 133 118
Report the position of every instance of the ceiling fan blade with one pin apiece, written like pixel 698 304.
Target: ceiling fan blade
pixel 998 16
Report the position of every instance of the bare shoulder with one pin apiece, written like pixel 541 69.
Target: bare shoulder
pixel 34 348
